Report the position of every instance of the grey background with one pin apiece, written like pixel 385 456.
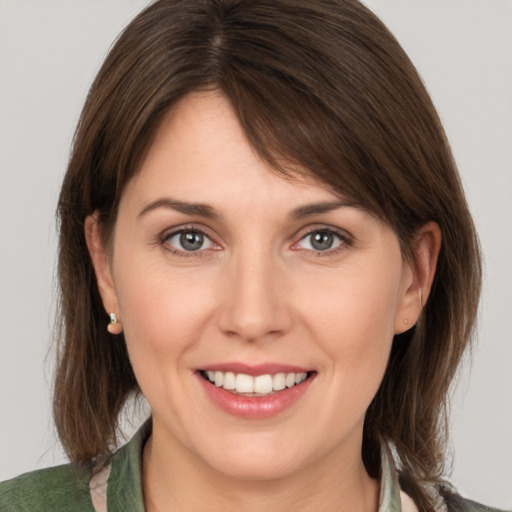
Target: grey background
pixel 49 52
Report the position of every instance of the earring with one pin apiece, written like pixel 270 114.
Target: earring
pixel 406 321
pixel 114 325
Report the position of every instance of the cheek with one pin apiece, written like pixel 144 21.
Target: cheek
pixel 163 312
pixel 362 301
pixel 352 318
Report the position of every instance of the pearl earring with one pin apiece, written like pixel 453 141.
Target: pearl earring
pixel 114 325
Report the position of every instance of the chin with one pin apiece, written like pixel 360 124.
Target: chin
pixel 256 461
pixel 257 470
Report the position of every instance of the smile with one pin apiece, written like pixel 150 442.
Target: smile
pixel 248 385
pixel 255 392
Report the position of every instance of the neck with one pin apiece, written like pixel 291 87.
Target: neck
pixel 175 480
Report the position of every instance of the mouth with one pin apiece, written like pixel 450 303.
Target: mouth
pixel 254 386
pixel 255 391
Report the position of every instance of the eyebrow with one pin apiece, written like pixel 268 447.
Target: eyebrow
pixel 200 209
pixel 318 208
pixel 204 210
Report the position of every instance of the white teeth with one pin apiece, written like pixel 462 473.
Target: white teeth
pixel 263 384
pixel 244 383
pixel 290 380
pixel 279 382
pixel 229 381
pixel 300 377
pixel 260 385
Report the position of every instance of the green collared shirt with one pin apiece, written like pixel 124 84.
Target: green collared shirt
pixel 68 489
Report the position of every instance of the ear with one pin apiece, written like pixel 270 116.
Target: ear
pixel 101 264
pixel 418 276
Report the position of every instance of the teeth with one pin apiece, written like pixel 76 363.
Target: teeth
pixel 279 381
pixel 229 381
pixel 260 385
pixel 299 377
pixel 263 384
pixel 244 383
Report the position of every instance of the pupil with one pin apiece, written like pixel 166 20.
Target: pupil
pixel 191 241
pixel 322 241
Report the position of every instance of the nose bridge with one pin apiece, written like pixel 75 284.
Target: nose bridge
pixel 254 306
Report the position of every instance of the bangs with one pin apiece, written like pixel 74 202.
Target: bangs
pixel 342 115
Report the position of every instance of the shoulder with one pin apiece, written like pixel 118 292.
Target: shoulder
pixel 63 488
pixel 67 488
pixel 456 503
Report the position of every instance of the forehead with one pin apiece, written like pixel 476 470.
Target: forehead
pixel 201 153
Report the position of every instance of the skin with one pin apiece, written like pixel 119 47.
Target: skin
pixel 256 292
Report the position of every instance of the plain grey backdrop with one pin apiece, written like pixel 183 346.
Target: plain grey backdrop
pixel 50 51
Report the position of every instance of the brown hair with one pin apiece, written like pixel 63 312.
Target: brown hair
pixel 322 85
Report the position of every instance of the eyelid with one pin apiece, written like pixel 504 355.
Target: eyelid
pixel 346 238
pixel 176 230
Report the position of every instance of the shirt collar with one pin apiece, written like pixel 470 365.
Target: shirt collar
pixel 389 500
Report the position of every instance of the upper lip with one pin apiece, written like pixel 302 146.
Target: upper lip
pixel 254 369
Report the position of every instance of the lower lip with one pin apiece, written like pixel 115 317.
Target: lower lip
pixel 255 407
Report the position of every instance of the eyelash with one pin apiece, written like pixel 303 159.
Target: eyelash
pixel 344 238
pixel 164 239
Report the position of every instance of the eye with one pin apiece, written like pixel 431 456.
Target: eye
pixel 320 240
pixel 189 240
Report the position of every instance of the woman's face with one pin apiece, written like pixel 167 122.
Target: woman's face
pixel 223 271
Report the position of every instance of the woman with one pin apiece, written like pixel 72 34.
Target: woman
pixel 262 204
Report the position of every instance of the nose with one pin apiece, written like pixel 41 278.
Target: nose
pixel 255 304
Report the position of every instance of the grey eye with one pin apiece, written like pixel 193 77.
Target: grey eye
pixel 189 241
pixel 322 240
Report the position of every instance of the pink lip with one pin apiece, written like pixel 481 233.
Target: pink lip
pixel 256 369
pixel 255 407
